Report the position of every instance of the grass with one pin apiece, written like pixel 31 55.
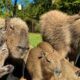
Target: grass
pixel 34 39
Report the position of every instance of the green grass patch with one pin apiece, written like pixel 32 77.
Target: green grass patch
pixel 34 39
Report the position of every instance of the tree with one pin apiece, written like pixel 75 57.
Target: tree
pixel 69 6
pixel 5 7
pixel 15 8
pixel 38 7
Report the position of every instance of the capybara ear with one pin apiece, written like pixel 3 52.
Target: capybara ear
pixel 41 55
pixel 45 46
pixel 7 20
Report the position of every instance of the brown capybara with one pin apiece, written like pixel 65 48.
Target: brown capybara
pixel 55 29
pixel 41 62
pixel 17 37
pixel 4 53
pixel 75 41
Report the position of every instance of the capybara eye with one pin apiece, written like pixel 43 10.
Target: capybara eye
pixel 40 57
pixel 12 27
pixel 48 60
pixel 27 48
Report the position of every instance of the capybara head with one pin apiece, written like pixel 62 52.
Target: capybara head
pixel 17 36
pixel 50 58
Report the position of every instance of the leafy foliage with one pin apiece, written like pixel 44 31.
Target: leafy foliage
pixel 69 6
pixel 5 7
pixel 32 10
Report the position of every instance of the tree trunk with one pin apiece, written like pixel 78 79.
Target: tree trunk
pixel 15 8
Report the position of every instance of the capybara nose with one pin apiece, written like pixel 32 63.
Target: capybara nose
pixel 23 48
pixel 57 71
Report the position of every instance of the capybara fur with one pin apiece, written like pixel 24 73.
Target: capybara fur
pixel 68 72
pixel 41 64
pixel 55 29
pixel 75 41
pixel 17 36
